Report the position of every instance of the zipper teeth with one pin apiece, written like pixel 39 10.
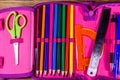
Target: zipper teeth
pixel 83 4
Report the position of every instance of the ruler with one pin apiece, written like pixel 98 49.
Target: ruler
pixel 97 50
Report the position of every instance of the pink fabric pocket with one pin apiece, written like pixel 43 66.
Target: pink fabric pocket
pixel 24 68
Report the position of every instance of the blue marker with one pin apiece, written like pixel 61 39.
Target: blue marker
pixel 117 49
pixel 55 36
pixel 118 40
pixel 46 49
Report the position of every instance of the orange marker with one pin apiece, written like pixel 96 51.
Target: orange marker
pixel 42 43
pixel 67 42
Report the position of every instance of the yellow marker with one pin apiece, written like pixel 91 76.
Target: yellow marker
pixel 71 36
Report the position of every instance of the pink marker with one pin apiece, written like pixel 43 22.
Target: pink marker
pixel 50 38
pixel 112 41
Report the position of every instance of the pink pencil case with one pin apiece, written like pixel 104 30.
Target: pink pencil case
pixel 88 18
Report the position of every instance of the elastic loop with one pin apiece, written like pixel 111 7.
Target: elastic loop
pixel 19 40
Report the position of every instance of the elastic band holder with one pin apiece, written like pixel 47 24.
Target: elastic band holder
pixel 1 24
pixel 109 41
pixel 19 40
pixel 40 40
pixel 72 39
pixel 1 62
pixel 117 41
pixel 55 40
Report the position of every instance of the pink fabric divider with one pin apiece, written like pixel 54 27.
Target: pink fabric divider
pixel 25 66
pixel 19 40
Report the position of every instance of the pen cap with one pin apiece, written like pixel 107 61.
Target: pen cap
pixel 113 19
pixel 118 28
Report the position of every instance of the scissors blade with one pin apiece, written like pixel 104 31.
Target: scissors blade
pixel 16 52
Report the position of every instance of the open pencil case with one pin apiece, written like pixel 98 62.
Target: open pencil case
pixel 83 20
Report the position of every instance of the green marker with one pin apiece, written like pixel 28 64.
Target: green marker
pixel 63 36
pixel 59 46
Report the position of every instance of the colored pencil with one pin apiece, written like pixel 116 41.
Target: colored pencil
pixel 38 24
pixel 46 49
pixel 59 46
pixel 50 38
pixel 63 36
pixel 67 43
pixel 42 43
pixel 55 36
pixel 71 43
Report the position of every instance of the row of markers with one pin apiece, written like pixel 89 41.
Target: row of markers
pixel 55 39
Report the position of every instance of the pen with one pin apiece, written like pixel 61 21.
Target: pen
pixel 46 49
pixel 55 36
pixel 118 44
pixel 112 40
pixel 117 48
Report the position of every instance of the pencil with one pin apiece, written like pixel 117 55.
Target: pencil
pixel 59 46
pixel 63 36
pixel 50 38
pixel 37 44
pixel 71 43
pixel 46 49
pixel 38 24
pixel 67 41
pixel 55 36
pixel 42 43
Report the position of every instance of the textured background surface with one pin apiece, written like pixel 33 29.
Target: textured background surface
pixel 12 3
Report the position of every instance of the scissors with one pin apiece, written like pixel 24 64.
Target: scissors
pixel 15 32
